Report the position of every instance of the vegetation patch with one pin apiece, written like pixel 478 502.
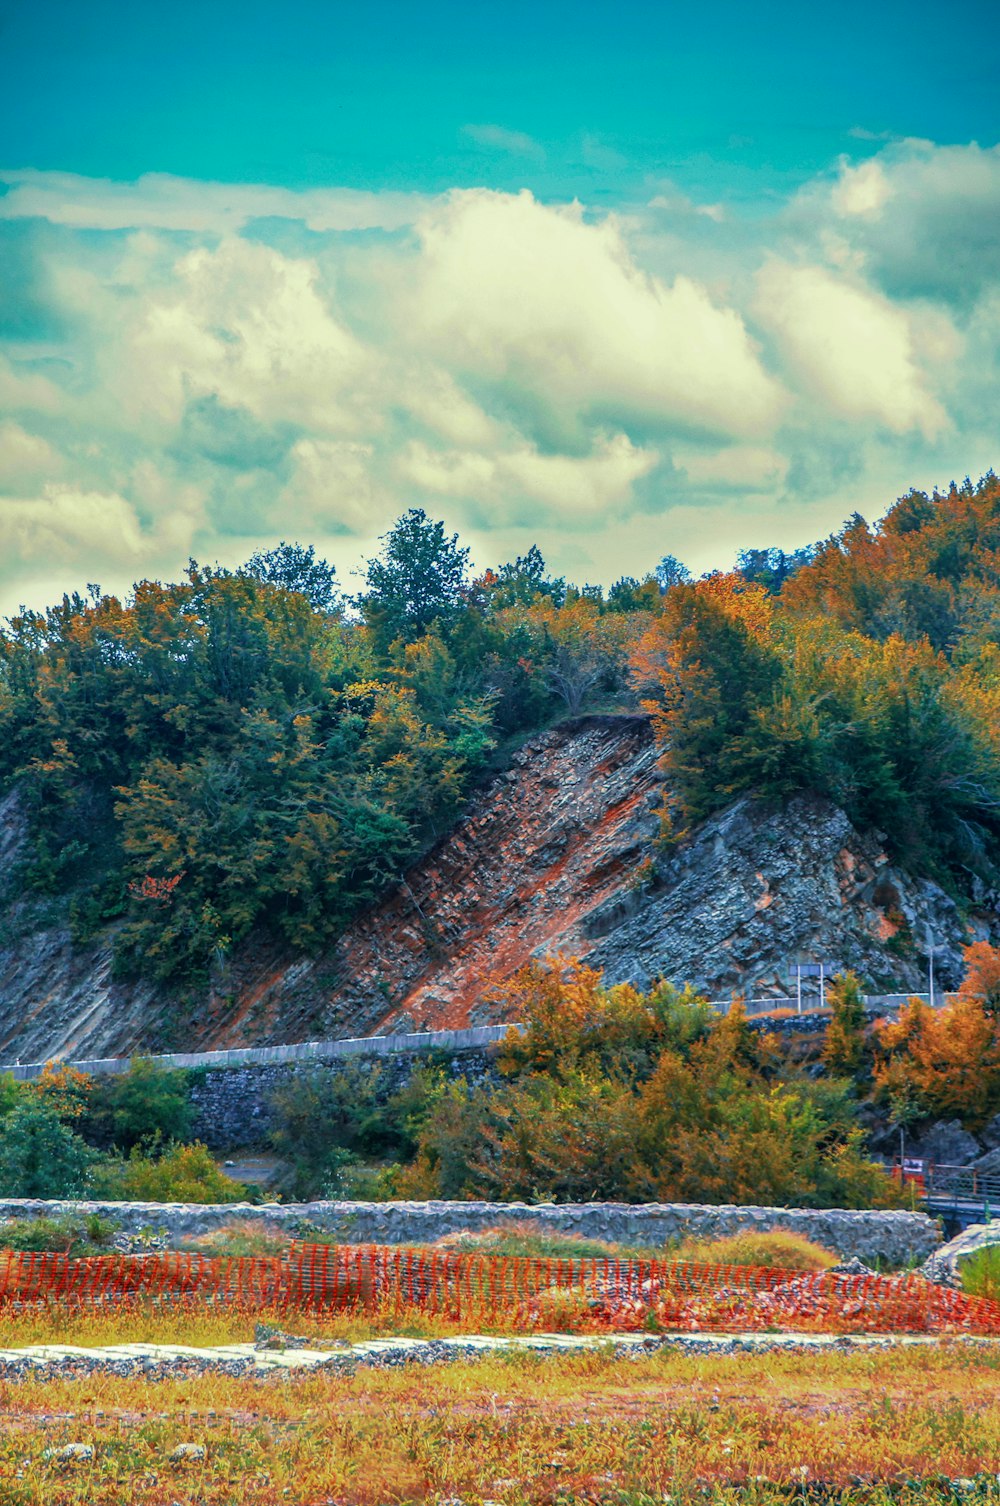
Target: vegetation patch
pixel 878 1427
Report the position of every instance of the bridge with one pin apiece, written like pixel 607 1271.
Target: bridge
pixel 958 1195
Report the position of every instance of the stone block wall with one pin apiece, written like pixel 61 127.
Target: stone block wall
pixel 890 1236
pixel 232 1103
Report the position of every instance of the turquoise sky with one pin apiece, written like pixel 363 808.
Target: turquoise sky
pixel 622 279
pixel 725 98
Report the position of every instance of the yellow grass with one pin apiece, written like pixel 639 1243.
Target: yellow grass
pixel 519 1429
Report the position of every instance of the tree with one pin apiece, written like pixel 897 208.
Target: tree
pixel 671 572
pixel 707 677
pixel 294 567
pixel 844 1042
pixel 39 1156
pixel 139 1106
pixel 417 579
pixel 982 975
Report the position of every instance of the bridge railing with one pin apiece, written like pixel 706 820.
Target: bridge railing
pixel 962 1184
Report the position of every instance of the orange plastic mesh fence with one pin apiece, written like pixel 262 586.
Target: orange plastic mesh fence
pixel 510 1291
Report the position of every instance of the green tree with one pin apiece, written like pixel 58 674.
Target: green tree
pixel 418 578
pixel 295 567
pixel 40 1157
pixel 144 1104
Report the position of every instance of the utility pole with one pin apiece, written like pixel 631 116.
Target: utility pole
pixel 930 972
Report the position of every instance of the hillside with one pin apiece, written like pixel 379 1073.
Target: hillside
pixel 548 858
pixel 241 806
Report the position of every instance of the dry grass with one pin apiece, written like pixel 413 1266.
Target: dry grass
pixel 522 1429
pixel 777 1248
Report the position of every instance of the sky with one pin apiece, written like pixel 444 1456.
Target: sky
pixel 618 279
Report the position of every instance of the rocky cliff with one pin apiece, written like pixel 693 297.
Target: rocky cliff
pixel 554 855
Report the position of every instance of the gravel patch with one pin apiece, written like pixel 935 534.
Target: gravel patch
pixel 167 1362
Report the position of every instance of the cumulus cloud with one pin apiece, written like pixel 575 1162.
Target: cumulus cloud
pixel 925 219
pixel 848 346
pixel 25 459
pixel 250 326
pixel 531 370
pixel 61 522
pixel 537 298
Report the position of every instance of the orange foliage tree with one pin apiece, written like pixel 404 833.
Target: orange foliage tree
pixel 937 1063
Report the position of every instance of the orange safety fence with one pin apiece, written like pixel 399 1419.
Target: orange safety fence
pixel 514 1292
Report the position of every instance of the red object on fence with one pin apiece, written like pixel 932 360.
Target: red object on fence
pixel 517 1292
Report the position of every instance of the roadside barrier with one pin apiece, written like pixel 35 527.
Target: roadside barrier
pixel 517 1293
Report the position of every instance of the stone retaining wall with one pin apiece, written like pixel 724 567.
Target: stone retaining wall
pixel 232 1104
pixel 893 1237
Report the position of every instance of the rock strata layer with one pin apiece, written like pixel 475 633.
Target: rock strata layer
pixel 555 855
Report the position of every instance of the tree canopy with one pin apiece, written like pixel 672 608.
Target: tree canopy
pixel 241 749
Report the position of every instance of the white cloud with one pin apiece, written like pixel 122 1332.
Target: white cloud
pixel 62 522
pixel 332 487
pixel 863 190
pixel 752 468
pixel 574 487
pixel 848 346
pixel 538 298
pixel 250 326
pixel 499 138
pixel 26 460
pixel 159 201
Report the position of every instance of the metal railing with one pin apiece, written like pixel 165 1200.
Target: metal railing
pixel 962 1184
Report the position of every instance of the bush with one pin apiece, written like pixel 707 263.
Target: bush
pixel 66 1235
pixel 40 1157
pixel 619 1095
pixel 981 1273
pixel 182 1174
pixel 134 1107
pixel 243 1237
pixel 325 1122
pixel 778 1248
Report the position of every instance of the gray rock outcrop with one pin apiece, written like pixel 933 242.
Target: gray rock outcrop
pixel 945 1265
pixel 946 1143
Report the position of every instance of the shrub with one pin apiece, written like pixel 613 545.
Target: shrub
pixel 39 1156
pixel 140 1105
pixel 10 1093
pixel 620 1095
pixel 324 1122
pixel 779 1248
pixel 66 1235
pixel 242 1237
pixel 62 1088
pixel 182 1174
pixel 980 1274
pixel 526 1239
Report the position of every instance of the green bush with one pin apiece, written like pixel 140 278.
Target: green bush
pixel 66 1235
pixel 981 1273
pixel 181 1174
pixel 138 1106
pixel 40 1157
pixel 326 1124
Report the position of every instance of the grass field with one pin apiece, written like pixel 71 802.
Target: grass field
pixel 515 1429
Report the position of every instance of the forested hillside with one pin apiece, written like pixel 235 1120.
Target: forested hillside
pixel 255 752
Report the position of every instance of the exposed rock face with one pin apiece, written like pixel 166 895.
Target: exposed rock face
pixel 947 1144
pixel 555 855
